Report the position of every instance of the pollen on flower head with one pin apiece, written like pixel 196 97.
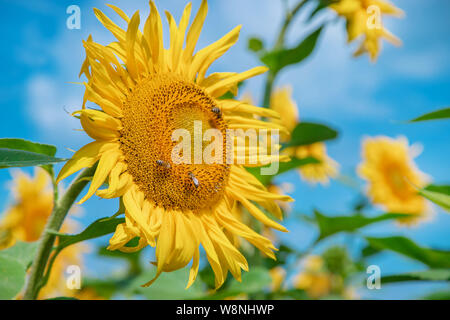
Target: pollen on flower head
pixel 155 108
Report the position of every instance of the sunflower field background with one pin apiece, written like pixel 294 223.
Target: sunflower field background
pixel 362 89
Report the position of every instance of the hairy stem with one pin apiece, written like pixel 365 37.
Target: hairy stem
pixel 45 247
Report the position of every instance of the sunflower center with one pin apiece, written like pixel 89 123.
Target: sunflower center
pixel 155 108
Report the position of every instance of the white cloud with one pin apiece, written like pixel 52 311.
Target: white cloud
pixel 48 104
pixel 427 63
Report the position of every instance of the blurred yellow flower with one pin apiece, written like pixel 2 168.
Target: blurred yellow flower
pixel 278 274
pixel 241 296
pixel 388 167
pixel 364 19
pixel 314 279
pixel 33 204
pixel 88 294
pixel 282 102
pixel 25 221
pixel 320 172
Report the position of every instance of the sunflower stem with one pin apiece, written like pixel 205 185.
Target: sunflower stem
pixel 37 280
pixel 278 45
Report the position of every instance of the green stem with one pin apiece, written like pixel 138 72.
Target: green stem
pixel 45 247
pixel 278 45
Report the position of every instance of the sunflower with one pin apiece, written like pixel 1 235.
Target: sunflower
pixel 282 102
pixel 388 167
pixel 278 274
pixel 364 19
pixel 314 279
pixel 25 221
pixel 146 92
pixel 33 204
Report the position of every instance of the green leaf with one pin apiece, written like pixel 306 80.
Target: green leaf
pixel 296 294
pixel 254 281
pixel 25 145
pixel 306 133
pixel 445 189
pixel 435 115
pixel 329 225
pixel 439 295
pixel 96 229
pixel 169 286
pixel 107 287
pixel 408 248
pixel 12 278
pixel 22 252
pixel 322 4
pixel 283 167
pixel 281 58
pixel 255 44
pixel 19 158
pixel 14 262
pixel 62 298
pixel 427 275
pixel 438 194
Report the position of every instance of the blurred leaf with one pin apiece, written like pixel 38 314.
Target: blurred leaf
pixel 439 295
pixel 427 275
pixel 438 194
pixel 280 58
pixel 329 225
pixel 207 276
pixel 296 294
pixel 169 286
pixel 438 188
pixel 255 44
pixel 404 246
pixel 62 298
pixel 106 288
pixel 435 115
pixel 18 158
pixel 306 133
pixel 254 281
pixel 14 262
pixel 369 251
pixel 12 278
pixel 282 168
pixel 337 261
pixel 22 252
pixel 96 229
pixel 322 4
pixel 25 145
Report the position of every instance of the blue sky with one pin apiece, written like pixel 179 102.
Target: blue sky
pixel 41 57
